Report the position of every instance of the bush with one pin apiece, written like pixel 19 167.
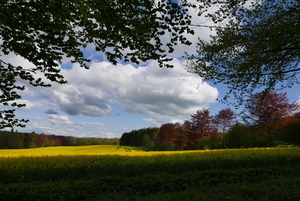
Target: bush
pixel 49 143
pixel 204 143
pixel 167 146
pixel 237 136
pixel 258 138
pixel 291 133
pixel 213 141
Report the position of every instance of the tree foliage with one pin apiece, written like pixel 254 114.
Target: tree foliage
pixel 142 137
pixel 166 137
pixel 15 140
pixel 187 135
pixel 46 31
pixel 224 119
pixel 255 46
pixel 269 111
pixel 201 121
pixel 11 140
pixel 242 136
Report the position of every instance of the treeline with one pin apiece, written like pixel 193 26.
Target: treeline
pixel 143 137
pixel 16 140
pixel 269 120
pixel 176 136
pixel 245 136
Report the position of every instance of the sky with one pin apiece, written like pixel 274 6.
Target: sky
pixel 108 100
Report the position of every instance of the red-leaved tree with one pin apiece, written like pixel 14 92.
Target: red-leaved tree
pixel 201 121
pixel 224 119
pixel 267 111
pixel 189 135
pixel 222 122
pixel 200 126
pixel 166 136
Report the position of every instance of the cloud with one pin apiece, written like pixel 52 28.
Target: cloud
pixel 160 93
pixel 75 102
pixel 31 104
pixel 62 125
pixel 57 120
pixel 51 111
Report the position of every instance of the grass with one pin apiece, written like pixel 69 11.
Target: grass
pixel 112 173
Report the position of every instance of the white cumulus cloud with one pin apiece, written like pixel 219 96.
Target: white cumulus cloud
pixel 160 93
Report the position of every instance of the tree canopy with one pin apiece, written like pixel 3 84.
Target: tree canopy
pixel 268 110
pixel 224 119
pixel 256 45
pixel 46 31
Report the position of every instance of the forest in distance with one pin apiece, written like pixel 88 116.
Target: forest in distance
pixel 17 140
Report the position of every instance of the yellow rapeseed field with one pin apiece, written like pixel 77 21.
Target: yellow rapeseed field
pixel 67 150
pixel 129 151
pixel 83 150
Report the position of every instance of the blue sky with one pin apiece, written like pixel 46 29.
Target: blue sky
pixel 108 100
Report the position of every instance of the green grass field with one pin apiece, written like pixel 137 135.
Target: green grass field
pixel 127 173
